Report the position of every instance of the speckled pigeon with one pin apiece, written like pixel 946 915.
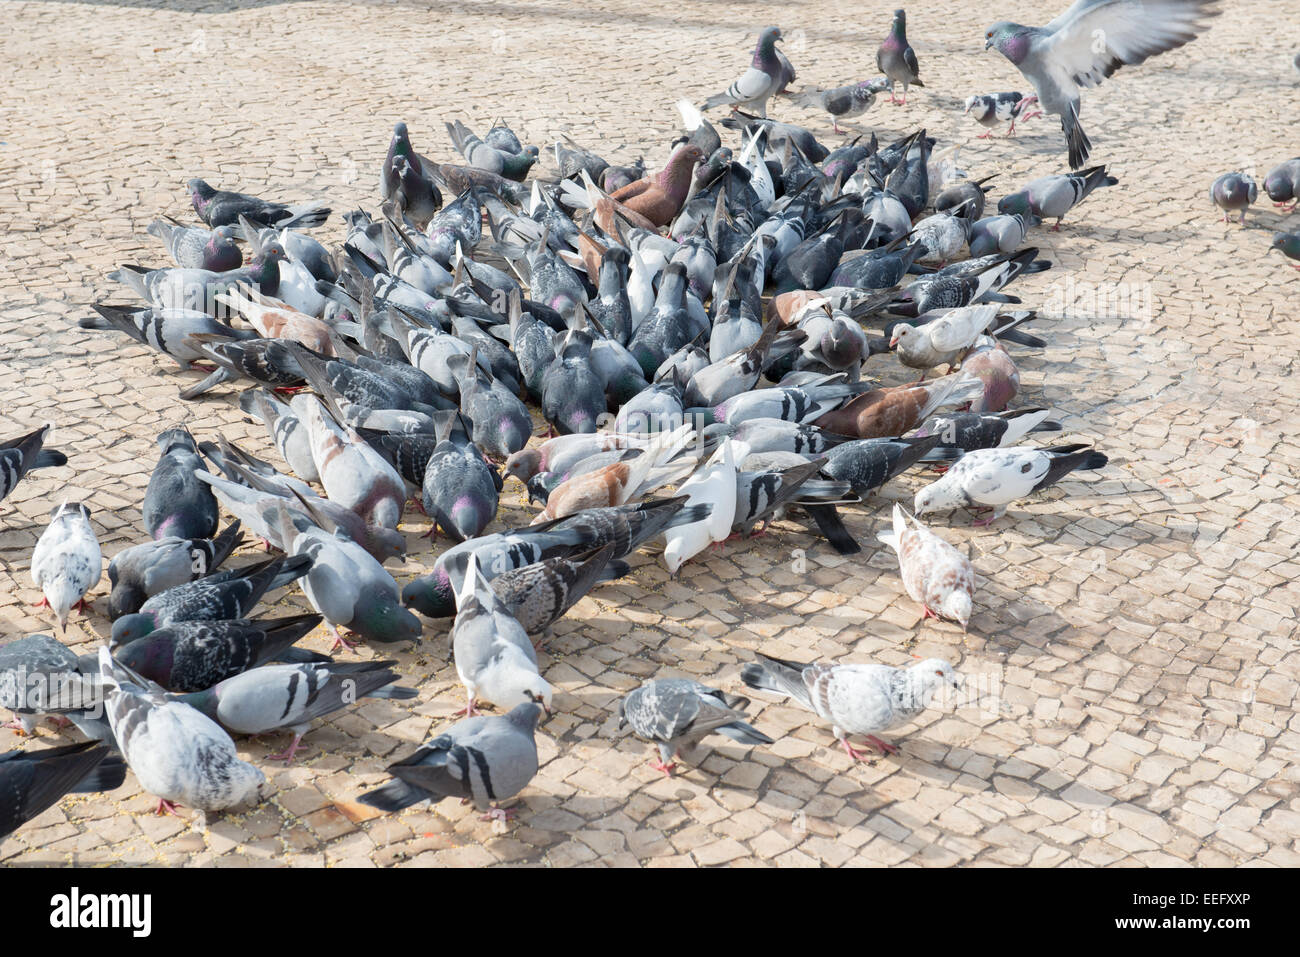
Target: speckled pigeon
pixel 675 713
pixel 32 781
pixel 19 456
pixel 67 560
pixel 933 572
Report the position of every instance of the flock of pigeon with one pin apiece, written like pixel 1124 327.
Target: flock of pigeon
pixel 701 343
pixel 1237 191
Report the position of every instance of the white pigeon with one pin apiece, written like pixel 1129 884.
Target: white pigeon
pixel 714 484
pixel 944 339
pixel 67 560
pixel 176 753
pixel 933 572
pixel 760 177
pixel 640 290
pixel 994 478
pixel 857 699
pixel 495 659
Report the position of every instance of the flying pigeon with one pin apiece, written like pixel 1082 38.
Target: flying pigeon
pixel 675 713
pixel 31 781
pixel 177 753
pixel 757 84
pixel 1234 191
pixel 482 759
pixel 19 456
pixel 992 109
pixel 67 560
pixel 994 478
pixel 933 572
pixel 857 699
pixel 1089 42
pixel 195 655
pixel 897 60
pixel 273 697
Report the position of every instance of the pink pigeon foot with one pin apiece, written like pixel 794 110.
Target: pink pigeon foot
pixel 667 769
pixel 981 522
pixel 883 746
pixel 985 136
pixel 166 807
pixel 341 642
pixel 43 603
pixel 853 752
pixel 59 721
pixel 288 753
pixel 469 710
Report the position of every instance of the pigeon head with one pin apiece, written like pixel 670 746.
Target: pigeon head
pixel 384 543
pixel 173 439
pixel 933 498
pixel 523 464
pixel 899 26
pixel 927 677
pixel 1016 203
pixel 149 659
pixel 431 595
pixel 1287 243
pixel 385 621
pixel 541 485
pixel 222 253
pixel 125 599
pixel 982 106
pixel 512 686
pixel 130 627
pixel 1278 186
pixel 906 335
pixel 1009 39
pixel 200 194
pixel 956 606
pixel 765 52
pixel 525 716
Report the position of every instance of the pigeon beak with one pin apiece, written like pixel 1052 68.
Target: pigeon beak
pixel 988 43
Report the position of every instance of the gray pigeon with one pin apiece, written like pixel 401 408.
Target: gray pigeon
pixel 19 456
pixel 482 759
pixel 41 676
pixel 676 713
pixel 843 102
pixel 857 699
pixel 176 753
pixel 494 658
pixel 460 490
pixel 31 781
pixel 176 504
pixel 1089 42
pixel 292 696
pixel 757 84
pixel 1051 197
pixel 67 560
pixel 897 60
pixel 286 428
pixel 510 164
pixel 1234 191
pixel 196 248
pixel 1283 185
pixel 142 571
pixel 1000 234
pixel 538 595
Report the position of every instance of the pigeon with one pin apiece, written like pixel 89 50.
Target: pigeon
pixel 346 584
pixel 868 464
pixel 354 474
pixel 989 362
pixel 1289 245
pixel 195 248
pixel 403 180
pixel 273 697
pixel 1051 197
pixel 142 571
pixel 992 109
pixel 1090 41
pixel 777 435
pixel 19 456
pixel 715 484
pixel 232 593
pixel 572 393
pixel 185 335
pixel 220 208
pixel 842 102
pixel 482 759
pixel 881 413
pixel 857 699
pixel 897 60
pixel 964 198
pixel 659 198
pixel 460 490
pixel 757 84
pixel 499 421
pixel 1000 234
pixel 41 676
pixel 1234 191
pixel 933 572
pixel 560 454
pixel 994 478
pixel 177 753
pixel 675 713
pixel 494 658
pixel 195 655
pixel 512 164
pixel 32 781
pixel 969 431
pixel 1283 184
pixel 67 560
pixel 941 341
pixel 538 595
pixel 176 504
pixel 760 495
pixel 286 429
pixel 792 403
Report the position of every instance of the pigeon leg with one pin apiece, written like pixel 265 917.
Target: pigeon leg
pixel 340 641
pixel 985 136
pixel 1243 217
pixel 166 807
pixel 81 605
pixel 469 710
pixel 884 746
pixel 43 603
pixel 432 533
pixel 1057 227
pixel 667 769
pixel 853 752
pixel 287 754
pixel 981 522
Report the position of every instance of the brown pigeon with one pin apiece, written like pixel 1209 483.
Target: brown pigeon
pixel 881 413
pixel 659 198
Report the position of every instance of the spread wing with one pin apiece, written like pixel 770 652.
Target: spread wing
pixel 1094 38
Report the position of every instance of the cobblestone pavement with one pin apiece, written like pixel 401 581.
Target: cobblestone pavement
pixel 1134 647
